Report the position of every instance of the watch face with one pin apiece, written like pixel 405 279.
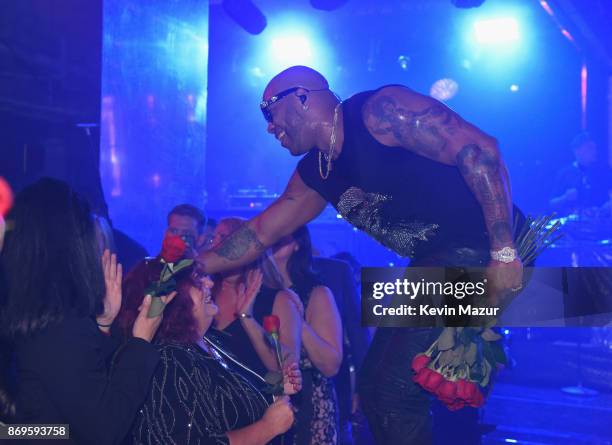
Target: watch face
pixel 507 255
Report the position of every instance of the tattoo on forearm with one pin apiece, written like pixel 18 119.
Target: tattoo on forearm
pixel 426 131
pixel 502 232
pixel 486 177
pixel 239 243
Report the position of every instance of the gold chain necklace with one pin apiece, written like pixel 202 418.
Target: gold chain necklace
pixel 332 146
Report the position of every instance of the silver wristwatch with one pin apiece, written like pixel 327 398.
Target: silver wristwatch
pixel 505 255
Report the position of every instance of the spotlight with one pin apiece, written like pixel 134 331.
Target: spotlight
pixel 327 5
pixel 292 49
pixel 246 14
pixel 467 3
pixel 404 62
pixel 500 30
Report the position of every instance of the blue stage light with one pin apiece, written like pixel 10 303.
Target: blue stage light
pixel 292 49
pixel 290 39
pixel 494 31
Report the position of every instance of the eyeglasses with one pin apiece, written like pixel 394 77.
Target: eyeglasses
pixel 265 104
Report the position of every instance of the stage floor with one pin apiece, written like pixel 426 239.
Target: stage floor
pixel 546 416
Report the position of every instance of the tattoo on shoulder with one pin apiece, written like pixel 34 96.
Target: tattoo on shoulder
pixel 426 131
pixel 239 243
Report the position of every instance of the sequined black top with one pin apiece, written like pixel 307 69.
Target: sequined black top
pixel 195 399
pixel 409 203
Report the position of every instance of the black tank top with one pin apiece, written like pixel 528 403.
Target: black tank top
pixel 413 205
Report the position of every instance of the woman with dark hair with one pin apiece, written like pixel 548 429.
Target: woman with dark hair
pixel 317 408
pixel 57 304
pixel 200 394
pixel 244 297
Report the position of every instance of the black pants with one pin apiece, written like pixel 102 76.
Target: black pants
pixel 398 410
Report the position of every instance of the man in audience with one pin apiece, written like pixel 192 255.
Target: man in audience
pixel 184 220
pixel 585 184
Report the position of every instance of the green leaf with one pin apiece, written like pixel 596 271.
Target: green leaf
pixel 476 372
pixel 446 340
pixel 499 355
pixel 490 323
pixel 166 273
pixel 274 383
pixel 469 335
pixel 182 265
pixel 458 356
pixel 156 308
pixel 487 353
pixel 490 335
pixel 158 290
pixel 470 354
pixel 273 377
pixel 486 374
pixel 446 357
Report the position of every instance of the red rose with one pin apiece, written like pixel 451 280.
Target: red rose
pixel 477 399
pixel 419 362
pixel 421 376
pixel 271 324
pixel 469 392
pixel 462 389
pixel 456 405
pixel 434 379
pixel 173 248
pixel 6 197
pixel 447 391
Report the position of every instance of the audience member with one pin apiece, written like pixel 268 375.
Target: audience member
pixel 317 406
pixel 58 322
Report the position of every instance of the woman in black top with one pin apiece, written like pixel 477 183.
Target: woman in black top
pixel 56 310
pixel 244 297
pixel 317 406
pixel 199 394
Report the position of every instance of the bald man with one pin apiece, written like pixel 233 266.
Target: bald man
pixel 412 174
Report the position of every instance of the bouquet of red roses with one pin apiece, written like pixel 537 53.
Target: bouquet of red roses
pixel 172 255
pixel 458 367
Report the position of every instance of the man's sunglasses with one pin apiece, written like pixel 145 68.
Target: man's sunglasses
pixel 265 104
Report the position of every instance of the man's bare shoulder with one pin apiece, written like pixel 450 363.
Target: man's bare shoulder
pixel 393 109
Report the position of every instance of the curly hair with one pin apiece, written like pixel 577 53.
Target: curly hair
pixel 178 323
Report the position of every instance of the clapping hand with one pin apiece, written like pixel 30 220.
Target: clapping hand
pixel 247 292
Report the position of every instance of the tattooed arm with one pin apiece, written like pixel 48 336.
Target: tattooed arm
pixel 295 207
pixel 397 116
